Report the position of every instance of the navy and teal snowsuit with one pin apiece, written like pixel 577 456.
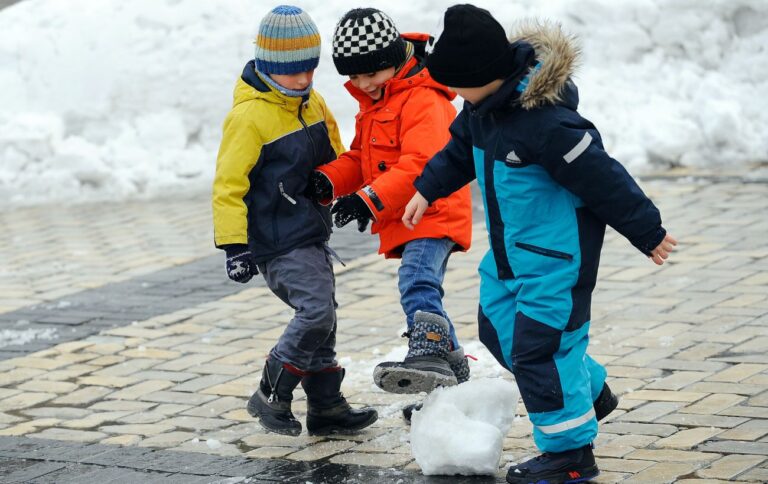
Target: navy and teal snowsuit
pixel 549 189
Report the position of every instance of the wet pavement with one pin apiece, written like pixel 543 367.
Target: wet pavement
pixel 130 356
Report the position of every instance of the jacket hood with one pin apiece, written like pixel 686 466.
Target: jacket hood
pixel 558 54
pixel 413 74
pixel 250 86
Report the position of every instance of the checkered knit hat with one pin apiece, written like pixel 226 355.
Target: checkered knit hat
pixel 366 40
pixel 288 42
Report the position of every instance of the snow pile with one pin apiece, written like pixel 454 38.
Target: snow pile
pixel 482 364
pixel 115 99
pixel 470 421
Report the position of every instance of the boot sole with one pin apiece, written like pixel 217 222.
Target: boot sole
pixel 408 380
pixel 556 478
pixel 335 429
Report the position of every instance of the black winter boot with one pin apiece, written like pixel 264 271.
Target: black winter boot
pixel 572 466
pixel 327 410
pixel 460 367
pixel 425 366
pixel 605 403
pixel 272 401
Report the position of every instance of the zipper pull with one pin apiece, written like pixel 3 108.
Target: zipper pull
pixel 285 195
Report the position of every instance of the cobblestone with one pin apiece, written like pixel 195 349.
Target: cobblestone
pixel 166 352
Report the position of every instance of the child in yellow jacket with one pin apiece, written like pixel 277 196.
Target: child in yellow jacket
pixel 278 131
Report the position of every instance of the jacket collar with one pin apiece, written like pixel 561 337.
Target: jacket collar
pixel 252 86
pixel 557 55
pixel 547 58
pixel 412 74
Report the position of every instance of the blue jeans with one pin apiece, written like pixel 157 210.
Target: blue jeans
pixel 420 279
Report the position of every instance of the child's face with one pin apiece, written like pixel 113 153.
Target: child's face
pixel 476 94
pixel 373 84
pixel 295 82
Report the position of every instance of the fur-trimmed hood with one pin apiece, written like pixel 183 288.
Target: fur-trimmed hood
pixel 558 54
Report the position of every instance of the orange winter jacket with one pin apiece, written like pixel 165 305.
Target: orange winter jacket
pixel 394 139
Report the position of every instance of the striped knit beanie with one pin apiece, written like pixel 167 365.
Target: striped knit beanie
pixel 366 40
pixel 288 42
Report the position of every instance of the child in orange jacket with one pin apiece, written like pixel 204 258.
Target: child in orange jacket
pixel 403 121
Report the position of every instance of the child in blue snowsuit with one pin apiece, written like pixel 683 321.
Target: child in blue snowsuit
pixel 549 190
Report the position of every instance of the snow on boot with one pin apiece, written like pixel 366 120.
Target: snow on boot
pixel 458 362
pixel 271 403
pixel 605 403
pixel 425 366
pixel 327 410
pixel 572 466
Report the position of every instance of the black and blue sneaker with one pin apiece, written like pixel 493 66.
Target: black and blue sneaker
pixel 569 467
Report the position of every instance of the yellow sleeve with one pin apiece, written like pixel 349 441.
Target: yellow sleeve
pixel 333 128
pixel 238 154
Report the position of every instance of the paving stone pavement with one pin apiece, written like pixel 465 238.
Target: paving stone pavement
pixel 157 391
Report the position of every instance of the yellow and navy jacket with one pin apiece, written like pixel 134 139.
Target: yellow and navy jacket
pixel 270 145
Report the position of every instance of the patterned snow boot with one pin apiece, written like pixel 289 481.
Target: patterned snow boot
pixel 460 367
pixel 327 410
pixel 572 466
pixel 271 403
pixel 426 365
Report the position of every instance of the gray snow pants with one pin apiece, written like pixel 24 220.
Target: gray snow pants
pixel 304 280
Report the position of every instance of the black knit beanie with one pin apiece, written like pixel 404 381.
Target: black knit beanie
pixel 472 50
pixel 366 40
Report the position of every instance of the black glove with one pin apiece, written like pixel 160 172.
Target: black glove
pixel 362 224
pixel 351 207
pixel 240 264
pixel 319 187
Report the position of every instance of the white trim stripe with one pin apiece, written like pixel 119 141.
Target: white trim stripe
pixel 568 424
pixel 579 148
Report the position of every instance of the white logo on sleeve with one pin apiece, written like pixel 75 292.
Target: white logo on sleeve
pixel 435 36
pixel 513 158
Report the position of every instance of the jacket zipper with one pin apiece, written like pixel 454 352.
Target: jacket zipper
pixel 314 157
pixel 306 130
pixel 285 195
pixel 546 252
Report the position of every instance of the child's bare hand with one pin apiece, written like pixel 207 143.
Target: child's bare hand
pixel 662 251
pixel 415 210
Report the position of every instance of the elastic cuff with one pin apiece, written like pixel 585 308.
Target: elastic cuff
pixel 327 201
pixel 234 249
pixel 294 371
pixel 222 241
pixel 426 190
pixel 652 241
pixel 369 203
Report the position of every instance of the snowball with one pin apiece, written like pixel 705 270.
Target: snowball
pixel 461 429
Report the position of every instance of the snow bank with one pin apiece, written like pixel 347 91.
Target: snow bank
pixel 470 421
pixel 115 99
